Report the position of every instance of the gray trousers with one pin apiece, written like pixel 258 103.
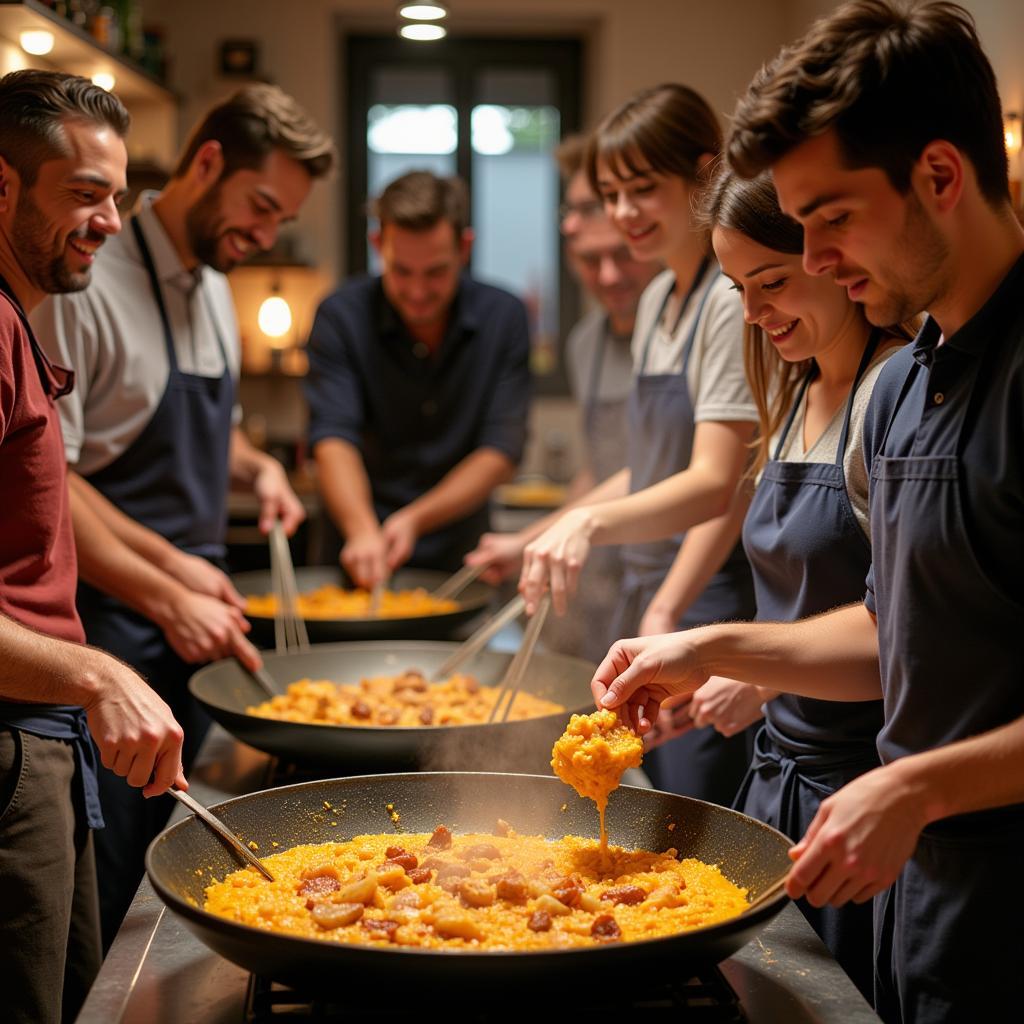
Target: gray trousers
pixel 49 911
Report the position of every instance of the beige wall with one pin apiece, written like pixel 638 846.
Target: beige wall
pixel 629 44
pixel 714 45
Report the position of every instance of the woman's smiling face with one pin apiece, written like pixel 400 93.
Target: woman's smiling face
pixel 801 314
pixel 652 210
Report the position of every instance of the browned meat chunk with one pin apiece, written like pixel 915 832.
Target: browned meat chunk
pixel 361 710
pixel 441 839
pixel 411 680
pixel 401 857
pixel 628 894
pixel 513 888
pixel 449 876
pixel 319 886
pixel 480 851
pixel 502 827
pixel 568 891
pixel 540 921
pixel 606 928
pixel 426 716
pixel 381 929
pixel 419 875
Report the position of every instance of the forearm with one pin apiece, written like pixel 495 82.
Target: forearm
pixel 832 656
pixel 40 669
pixel 244 460
pixel 582 483
pixel 975 774
pixel 702 553
pixel 106 562
pixel 143 541
pixel 702 491
pixel 345 487
pixel 463 489
pixel 616 486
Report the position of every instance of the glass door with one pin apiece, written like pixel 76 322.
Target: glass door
pixel 491 111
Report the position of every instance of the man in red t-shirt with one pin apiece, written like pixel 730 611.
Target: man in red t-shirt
pixel 62 170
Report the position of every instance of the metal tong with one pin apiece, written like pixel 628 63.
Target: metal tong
pixel 769 894
pixel 458 582
pixel 222 830
pixel 289 627
pixel 509 687
pixel 478 641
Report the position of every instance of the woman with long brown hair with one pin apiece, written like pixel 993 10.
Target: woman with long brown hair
pixel 691 419
pixel 812 360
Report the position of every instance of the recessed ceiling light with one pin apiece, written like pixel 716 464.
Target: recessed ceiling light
pixel 415 11
pixel 36 41
pixel 423 33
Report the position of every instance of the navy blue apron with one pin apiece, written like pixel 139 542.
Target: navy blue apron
pixel 702 763
pixel 173 478
pixel 809 554
pixel 56 721
pixel 948 934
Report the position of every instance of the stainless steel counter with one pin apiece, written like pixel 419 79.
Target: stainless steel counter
pixel 157 972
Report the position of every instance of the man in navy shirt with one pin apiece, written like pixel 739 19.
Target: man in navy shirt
pixel 418 389
pixel 884 133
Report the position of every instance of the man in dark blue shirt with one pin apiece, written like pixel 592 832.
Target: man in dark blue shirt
pixel 418 389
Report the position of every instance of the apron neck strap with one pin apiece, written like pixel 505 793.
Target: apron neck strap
pixel 690 292
pixel 865 360
pixel 158 295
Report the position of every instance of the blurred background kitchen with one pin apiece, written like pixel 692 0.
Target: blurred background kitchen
pixel 485 91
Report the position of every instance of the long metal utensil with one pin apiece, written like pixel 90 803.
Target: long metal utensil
pixel 457 582
pixel 769 894
pixel 289 627
pixel 262 677
pixel 478 641
pixel 517 667
pixel 222 830
pixel 376 595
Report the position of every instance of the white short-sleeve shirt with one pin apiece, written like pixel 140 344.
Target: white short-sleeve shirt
pixel 112 336
pixel 715 375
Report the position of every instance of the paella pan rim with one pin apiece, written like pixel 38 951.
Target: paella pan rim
pixel 207 921
pixel 357 646
pixel 473 600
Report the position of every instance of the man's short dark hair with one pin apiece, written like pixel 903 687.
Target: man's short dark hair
pixel 33 108
pixel 252 123
pixel 889 76
pixel 418 200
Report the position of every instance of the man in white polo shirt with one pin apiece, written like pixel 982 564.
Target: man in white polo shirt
pixel 151 434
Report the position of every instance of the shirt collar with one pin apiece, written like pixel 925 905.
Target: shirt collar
pixel 168 263
pixel 463 320
pixel 1000 310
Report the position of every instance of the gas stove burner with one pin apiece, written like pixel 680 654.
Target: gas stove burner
pixel 707 998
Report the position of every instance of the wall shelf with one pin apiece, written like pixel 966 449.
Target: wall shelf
pixel 75 51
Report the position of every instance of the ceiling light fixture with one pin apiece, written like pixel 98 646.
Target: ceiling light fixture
pixel 422 11
pixel 104 80
pixel 423 33
pixel 36 41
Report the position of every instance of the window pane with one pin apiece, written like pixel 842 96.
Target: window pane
pixel 515 211
pixel 411 125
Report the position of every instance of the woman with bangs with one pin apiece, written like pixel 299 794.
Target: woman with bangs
pixel 675 508
pixel 812 359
